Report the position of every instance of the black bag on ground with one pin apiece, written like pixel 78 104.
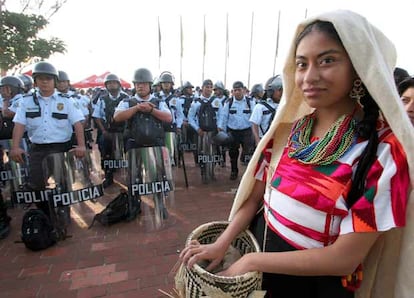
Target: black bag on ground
pixel 37 230
pixel 117 210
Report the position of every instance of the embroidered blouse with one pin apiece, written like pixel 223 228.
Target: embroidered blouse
pixel 306 204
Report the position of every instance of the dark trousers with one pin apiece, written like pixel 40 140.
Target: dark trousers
pixel 243 138
pixel 290 286
pixel 37 153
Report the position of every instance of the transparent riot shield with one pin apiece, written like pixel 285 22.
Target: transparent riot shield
pixel 151 182
pixel 13 176
pixel 116 161
pixel 69 182
pixel 171 144
pixel 208 157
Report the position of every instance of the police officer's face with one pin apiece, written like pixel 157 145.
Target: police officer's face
pixel 5 92
pixel 218 92
pixel 238 93
pixel 62 86
pixel 46 84
pixel 112 86
pixel 166 86
pixel 143 90
pixel 207 90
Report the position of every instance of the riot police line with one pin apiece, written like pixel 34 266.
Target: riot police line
pixel 164 122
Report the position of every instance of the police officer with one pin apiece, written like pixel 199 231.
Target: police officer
pixel 235 120
pixel 219 92
pixel 11 89
pixel 145 114
pixel 205 124
pixel 63 86
pixel 142 103
pixel 103 114
pixel 169 95
pixel 28 83
pixel 49 119
pixel 257 92
pixel 264 111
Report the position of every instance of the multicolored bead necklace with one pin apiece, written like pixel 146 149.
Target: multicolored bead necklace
pixel 339 138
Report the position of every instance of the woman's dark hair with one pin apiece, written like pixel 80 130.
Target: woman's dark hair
pixel 404 85
pixel 366 128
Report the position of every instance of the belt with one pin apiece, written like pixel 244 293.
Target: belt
pixel 50 145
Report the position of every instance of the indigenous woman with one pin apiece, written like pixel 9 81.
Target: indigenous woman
pixel 335 182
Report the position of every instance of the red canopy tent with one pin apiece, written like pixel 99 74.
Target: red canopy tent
pixel 97 81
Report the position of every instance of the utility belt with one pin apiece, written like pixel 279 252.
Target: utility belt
pixel 61 147
pixel 239 130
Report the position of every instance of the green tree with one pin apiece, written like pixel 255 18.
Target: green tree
pixel 19 40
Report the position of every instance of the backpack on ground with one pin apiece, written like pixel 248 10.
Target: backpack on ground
pixel 37 230
pixel 118 210
pixel 207 117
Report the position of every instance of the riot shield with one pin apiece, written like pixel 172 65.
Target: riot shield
pixel 171 144
pixel 115 160
pixel 208 157
pixel 69 181
pixel 151 182
pixel 12 175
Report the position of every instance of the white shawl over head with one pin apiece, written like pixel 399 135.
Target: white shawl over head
pixel 389 268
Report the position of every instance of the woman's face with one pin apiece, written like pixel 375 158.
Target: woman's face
pixel 408 100
pixel 324 72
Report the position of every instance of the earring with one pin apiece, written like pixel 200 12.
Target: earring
pixel 358 90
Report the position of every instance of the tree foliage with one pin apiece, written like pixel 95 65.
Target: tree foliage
pixel 20 41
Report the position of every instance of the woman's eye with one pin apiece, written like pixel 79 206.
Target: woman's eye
pixel 327 60
pixel 300 64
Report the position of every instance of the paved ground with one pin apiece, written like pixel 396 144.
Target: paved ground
pixel 133 259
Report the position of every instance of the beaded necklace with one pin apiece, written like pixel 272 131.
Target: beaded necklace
pixel 339 138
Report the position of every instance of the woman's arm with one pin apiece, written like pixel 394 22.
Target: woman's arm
pixel 340 258
pixel 215 252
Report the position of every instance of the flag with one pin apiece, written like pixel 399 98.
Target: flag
pixel 159 38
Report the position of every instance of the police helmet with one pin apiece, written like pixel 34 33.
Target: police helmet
pixel 222 138
pixel 238 84
pixel 257 89
pixel 12 81
pixel 63 76
pixel 27 81
pixel 166 77
pixel 44 68
pixel 187 84
pixel 111 77
pixel 272 84
pixel 142 75
pixel 219 85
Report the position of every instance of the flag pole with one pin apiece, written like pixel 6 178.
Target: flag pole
pixel 204 46
pixel 227 49
pixel 277 44
pixel 182 49
pixel 250 51
pixel 159 45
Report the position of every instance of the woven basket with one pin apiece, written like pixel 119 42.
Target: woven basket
pixel 201 283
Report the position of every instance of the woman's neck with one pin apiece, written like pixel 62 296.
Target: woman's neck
pixel 325 118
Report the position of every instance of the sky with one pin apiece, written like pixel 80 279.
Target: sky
pixel 122 36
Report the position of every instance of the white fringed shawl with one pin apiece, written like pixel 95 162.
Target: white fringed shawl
pixel 389 268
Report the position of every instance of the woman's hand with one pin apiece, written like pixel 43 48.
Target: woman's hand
pixel 196 252
pixel 240 267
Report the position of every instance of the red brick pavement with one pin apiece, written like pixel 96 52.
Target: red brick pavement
pixel 129 259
